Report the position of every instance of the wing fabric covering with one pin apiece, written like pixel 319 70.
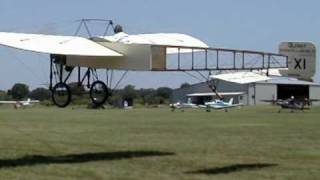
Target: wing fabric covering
pixel 161 39
pixel 51 44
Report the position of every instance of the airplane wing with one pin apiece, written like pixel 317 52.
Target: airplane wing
pixel 160 39
pixel 268 100
pixel 235 105
pixel 314 100
pixel 62 45
pixel 8 102
pixel 277 102
pixel 223 107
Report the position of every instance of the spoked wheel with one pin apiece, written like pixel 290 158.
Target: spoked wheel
pixel 99 93
pixel 61 95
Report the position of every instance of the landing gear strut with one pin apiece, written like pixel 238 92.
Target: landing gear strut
pixel 61 92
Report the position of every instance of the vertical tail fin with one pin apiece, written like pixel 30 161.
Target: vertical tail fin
pixel 301 59
pixel 230 101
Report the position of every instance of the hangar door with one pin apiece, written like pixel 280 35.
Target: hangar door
pixel 298 91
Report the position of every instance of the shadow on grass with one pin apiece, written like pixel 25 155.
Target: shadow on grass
pixel 78 158
pixel 232 169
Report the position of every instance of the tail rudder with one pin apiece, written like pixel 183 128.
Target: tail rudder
pixel 230 101
pixel 301 59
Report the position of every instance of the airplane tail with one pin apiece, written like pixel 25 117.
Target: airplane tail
pixel 230 102
pixel 301 59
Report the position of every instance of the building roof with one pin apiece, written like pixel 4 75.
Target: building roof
pixel 214 94
pixel 241 77
pixel 252 77
pixel 287 80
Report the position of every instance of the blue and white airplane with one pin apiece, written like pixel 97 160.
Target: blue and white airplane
pixel 219 104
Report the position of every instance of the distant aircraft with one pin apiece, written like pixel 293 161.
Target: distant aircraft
pixel 183 106
pixel 219 104
pixel 293 103
pixel 20 104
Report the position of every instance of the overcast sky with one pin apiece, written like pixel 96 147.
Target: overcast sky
pixel 245 24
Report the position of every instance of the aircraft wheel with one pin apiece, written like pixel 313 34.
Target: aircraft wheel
pixel 99 93
pixel 208 109
pixel 61 95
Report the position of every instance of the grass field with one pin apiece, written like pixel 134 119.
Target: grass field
pixel 251 143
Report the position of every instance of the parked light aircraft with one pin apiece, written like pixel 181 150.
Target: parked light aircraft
pixel 142 52
pixel 219 104
pixel 183 106
pixel 293 104
pixel 20 104
pixel 214 104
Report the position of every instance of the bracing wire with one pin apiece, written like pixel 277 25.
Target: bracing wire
pixel 120 80
pixel 24 64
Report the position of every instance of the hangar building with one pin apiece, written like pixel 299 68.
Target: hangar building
pixel 250 93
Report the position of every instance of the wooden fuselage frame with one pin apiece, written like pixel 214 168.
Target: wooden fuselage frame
pixel 135 57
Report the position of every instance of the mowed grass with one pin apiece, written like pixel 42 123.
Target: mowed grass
pixel 249 143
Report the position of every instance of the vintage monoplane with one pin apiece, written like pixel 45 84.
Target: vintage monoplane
pixel 220 104
pixel 142 52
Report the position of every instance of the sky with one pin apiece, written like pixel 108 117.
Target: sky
pixel 246 24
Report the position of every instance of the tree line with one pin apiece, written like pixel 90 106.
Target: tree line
pixel 150 96
pixel 21 91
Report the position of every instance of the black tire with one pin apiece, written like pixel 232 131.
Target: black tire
pixel 63 102
pixel 105 93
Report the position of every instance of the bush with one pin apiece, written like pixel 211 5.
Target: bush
pixel 40 94
pixel 164 92
pixel 19 91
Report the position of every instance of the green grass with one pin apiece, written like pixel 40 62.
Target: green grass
pixel 251 143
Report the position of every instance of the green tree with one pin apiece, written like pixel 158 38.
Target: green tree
pixel 146 93
pixel 129 92
pixel 19 91
pixel 185 85
pixel 164 92
pixel 40 94
pixel 76 89
pixel 3 95
pixel 115 100
pixel 152 99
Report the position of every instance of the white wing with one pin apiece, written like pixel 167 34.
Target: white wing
pixel 8 102
pixel 63 45
pixel 160 39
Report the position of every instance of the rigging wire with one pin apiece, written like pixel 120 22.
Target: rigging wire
pixel 122 77
pixel 191 75
pixel 25 65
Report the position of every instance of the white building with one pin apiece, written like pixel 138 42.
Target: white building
pixel 251 93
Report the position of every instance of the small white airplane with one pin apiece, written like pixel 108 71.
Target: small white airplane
pixel 219 104
pixel 20 104
pixel 182 106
